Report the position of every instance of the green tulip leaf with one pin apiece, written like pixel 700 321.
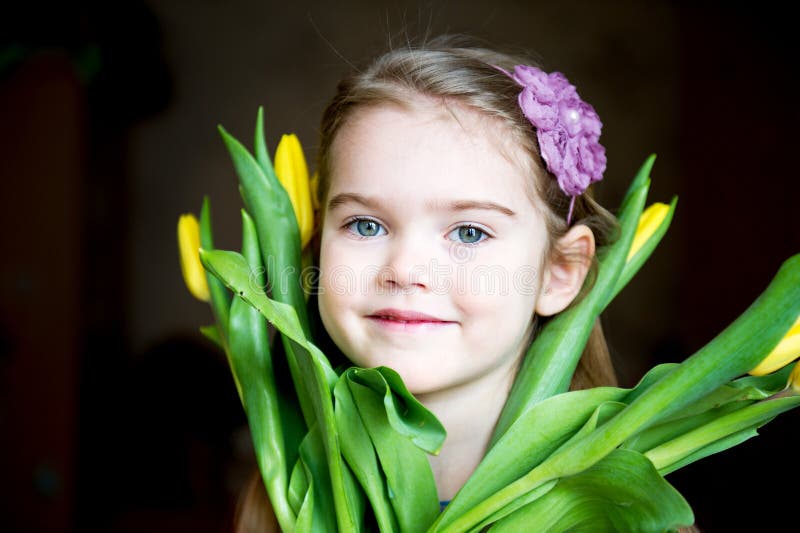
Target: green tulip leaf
pixel 305 517
pixel 540 432
pixel 717 446
pixel 601 414
pixel 312 453
pixel 706 439
pixel 236 273
pixel 368 445
pixel 359 453
pixel 251 365
pixel 298 486
pixel 355 497
pixel 278 236
pixel 405 413
pixel 220 297
pixel 669 429
pixel 604 412
pixel 532 438
pixel 260 149
pixel 623 492
pixel 256 385
pixel 409 479
pixel 730 397
pixel 212 333
pixel 290 412
pixel 276 226
pixel 315 376
pixel 651 378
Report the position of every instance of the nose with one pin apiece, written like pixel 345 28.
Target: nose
pixel 406 266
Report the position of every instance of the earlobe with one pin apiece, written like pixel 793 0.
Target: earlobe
pixel 565 273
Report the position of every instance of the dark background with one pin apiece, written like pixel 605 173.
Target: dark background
pixel 115 415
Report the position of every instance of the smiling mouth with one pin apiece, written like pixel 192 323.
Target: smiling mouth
pixel 396 320
pixel 394 325
pixel 403 321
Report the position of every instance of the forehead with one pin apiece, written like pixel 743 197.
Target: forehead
pixel 430 150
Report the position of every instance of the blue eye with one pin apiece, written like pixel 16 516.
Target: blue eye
pixel 365 227
pixel 469 234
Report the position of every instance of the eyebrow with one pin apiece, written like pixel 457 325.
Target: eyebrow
pixel 456 205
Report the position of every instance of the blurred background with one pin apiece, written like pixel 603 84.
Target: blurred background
pixel 116 415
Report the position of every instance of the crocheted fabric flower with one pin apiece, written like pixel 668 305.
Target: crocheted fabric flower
pixel 568 128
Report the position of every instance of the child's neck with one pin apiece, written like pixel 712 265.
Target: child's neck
pixel 469 413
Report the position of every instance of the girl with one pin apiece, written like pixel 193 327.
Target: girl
pixel 453 223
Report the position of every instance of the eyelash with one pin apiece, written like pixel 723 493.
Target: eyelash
pixel 350 226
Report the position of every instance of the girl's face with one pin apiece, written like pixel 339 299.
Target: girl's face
pixel 431 249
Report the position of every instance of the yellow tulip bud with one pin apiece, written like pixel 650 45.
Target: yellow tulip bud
pixel 794 379
pixel 787 350
pixel 292 172
pixel 649 221
pixel 189 245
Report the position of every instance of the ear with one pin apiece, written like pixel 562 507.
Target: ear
pixel 564 273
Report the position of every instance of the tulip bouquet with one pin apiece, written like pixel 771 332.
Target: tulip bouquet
pixel 345 448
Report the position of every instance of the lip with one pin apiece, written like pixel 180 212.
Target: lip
pixel 406 320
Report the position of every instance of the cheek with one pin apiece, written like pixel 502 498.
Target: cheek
pixel 343 274
pixel 335 282
pixel 501 281
pixel 500 302
pixel 344 283
pixel 334 300
pixel 499 306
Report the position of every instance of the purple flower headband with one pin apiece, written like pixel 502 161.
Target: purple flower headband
pixel 568 129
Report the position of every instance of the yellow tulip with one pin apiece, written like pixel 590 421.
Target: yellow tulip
pixel 649 221
pixel 787 350
pixel 189 245
pixel 794 379
pixel 292 172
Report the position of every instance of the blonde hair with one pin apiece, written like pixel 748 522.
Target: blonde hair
pixel 459 70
